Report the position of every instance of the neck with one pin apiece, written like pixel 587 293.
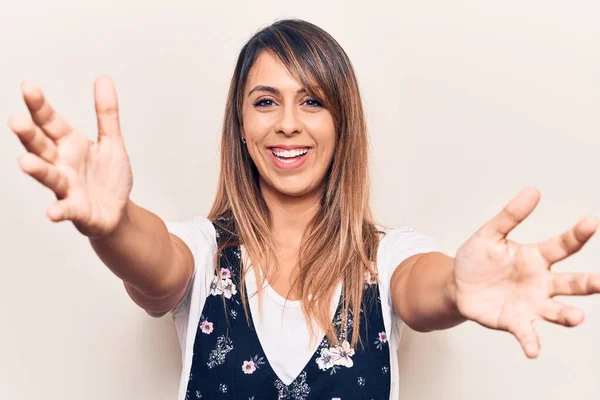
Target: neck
pixel 290 214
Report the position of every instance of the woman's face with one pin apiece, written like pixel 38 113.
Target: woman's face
pixel 289 135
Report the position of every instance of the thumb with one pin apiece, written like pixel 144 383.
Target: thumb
pixel 107 108
pixel 512 214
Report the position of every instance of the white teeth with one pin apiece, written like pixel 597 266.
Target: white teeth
pixel 289 153
pixel 283 160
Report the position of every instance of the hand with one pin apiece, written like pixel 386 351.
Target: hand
pixel 505 285
pixel 91 181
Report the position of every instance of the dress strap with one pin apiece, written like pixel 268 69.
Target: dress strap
pixel 226 232
pixel 228 244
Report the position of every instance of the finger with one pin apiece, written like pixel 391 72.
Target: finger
pixel 33 138
pixel 42 112
pixel 560 247
pixel 527 337
pixel 45 173
pixel 562 314
pixel 567 284
pixel 62 210
pixel 107 108
pixel 512 214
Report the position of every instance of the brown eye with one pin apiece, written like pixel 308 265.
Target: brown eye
pixel 313 103
pixel 264 103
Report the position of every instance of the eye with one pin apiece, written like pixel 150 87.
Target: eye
pixel 313 103
pixel 264 103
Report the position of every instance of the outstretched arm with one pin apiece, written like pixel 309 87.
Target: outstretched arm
pixel 498 283
pixel 92 182
pixel 423 293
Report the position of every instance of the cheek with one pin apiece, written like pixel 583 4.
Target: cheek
pixel 331 145
pixel 255 129
pixel 255 132
pixel 326 156
pixel 326 141
pixel 257 153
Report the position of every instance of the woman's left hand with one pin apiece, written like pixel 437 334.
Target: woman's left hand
pixel 505 285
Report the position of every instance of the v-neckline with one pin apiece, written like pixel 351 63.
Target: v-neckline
pixel 315 348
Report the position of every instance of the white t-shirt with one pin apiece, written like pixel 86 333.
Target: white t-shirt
pixel 280 324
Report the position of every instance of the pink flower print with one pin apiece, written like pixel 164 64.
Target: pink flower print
pixel 225 273
pixel 381 340
pixel 216 287
pixel 228 288
pixel 326 360
pixel 206 327
pixel 342 354
pixel 248 367
pixel 382 337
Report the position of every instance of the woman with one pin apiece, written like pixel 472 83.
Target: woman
pixel 288 289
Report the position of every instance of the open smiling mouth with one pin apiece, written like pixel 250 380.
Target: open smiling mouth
pixel 289 158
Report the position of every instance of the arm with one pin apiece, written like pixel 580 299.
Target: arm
pixel 496 282
pixel 92 182
pixel 155 265
pixel 423 292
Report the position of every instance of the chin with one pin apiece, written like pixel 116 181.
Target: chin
pixel 294 187
pixel 294 191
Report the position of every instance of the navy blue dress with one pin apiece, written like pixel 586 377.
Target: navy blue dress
pixel 229 362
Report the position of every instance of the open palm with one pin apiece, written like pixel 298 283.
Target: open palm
pixel 91 180
pixel 505 285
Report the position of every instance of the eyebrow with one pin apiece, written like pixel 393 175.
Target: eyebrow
pixel 271 89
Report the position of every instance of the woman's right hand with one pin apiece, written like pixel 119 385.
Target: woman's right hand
pixel 91 180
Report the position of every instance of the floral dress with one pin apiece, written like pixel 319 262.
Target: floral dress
pixel 229 362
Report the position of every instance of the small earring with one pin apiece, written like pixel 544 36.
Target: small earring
pixel 243 140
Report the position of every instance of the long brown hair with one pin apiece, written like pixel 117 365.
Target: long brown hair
pixel 341 240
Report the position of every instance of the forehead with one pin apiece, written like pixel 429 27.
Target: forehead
pixel 269 70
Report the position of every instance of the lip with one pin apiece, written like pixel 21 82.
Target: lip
pixel 293 165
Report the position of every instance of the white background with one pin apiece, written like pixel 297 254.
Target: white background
pixel 468 102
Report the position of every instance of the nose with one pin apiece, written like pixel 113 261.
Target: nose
pixel 288 123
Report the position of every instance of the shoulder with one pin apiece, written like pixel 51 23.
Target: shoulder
pixel 197 232
pixel 404 236
pixel 398 244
